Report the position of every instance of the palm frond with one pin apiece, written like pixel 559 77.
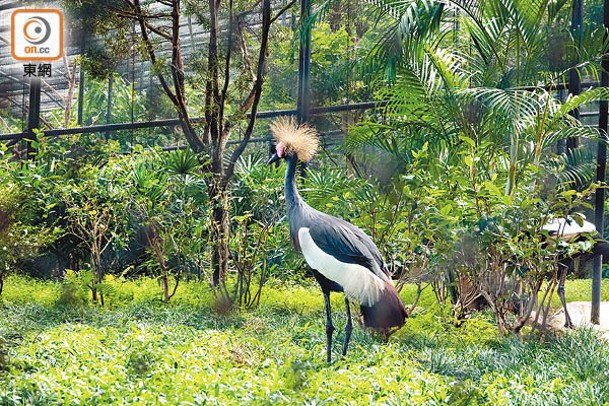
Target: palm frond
pixel 415 23
pixel 585 97
pixel 552 137
pixel 576 167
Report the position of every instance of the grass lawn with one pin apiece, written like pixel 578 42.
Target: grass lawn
pixel 137 350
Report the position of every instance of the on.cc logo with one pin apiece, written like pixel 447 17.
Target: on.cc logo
pixel 36 34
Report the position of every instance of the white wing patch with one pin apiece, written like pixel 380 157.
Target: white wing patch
pixel 568 229
pixel 358 282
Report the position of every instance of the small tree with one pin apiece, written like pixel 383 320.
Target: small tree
pixel 252 246
pixel 501 255
pixel 232 81
pixel 95 212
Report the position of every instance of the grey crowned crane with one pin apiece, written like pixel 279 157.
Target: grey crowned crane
pixel 568 230
pixel 341 256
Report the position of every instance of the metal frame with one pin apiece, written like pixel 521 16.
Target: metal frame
pixel 575 86
pixel 33 120
pixel 176 122
pixel 303 110
pixel 601 166
pixel 304 65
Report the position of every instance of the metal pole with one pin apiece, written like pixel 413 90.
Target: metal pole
pixel 304 63
pixel 109 105
pixel 304 69
pixel 601 165
pixel 33 120
pixel 574 78
pixel 81 94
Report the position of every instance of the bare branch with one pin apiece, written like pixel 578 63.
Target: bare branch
pixel 257 89
pixel 228 57
pixel 177 69
pixel 108 242
pixel 132 15
pixel 69 73
pixel 177 95
pixel 283 10
pixel 249 100
pixel 243 46
pixel 158 31
pixel 5 124
pixel 151 52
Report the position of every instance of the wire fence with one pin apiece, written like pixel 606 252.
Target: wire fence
pixel 31 100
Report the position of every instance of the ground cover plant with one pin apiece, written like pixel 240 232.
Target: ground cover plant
pixel 109 247
pixel 138 350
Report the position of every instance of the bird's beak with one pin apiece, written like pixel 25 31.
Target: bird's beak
pixel 273 159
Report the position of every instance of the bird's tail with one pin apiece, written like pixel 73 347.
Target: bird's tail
pixel 388 314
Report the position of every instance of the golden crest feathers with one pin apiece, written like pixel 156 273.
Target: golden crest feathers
pixel 301 139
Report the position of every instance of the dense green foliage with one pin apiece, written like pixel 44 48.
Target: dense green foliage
pixel 147 213
pixel 453 179
pixel 140 351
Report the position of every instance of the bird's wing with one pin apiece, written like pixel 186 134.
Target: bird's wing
pixel 347 243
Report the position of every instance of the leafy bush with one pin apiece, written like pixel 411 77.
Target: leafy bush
pixel 169 203
pixel 73 289
pixel 22 235
pixel 260 245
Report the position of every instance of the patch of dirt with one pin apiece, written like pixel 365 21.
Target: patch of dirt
pixel 580 316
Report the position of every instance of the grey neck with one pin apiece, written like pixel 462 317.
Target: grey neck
pixel 292 197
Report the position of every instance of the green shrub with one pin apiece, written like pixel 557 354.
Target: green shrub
pixel 74 289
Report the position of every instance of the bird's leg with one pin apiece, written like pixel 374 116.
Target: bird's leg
pixel 348 327
pixel 561 295
pixel 329 326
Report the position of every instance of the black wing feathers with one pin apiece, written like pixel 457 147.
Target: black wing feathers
pixel 346 243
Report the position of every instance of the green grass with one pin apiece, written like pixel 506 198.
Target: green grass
pixel 140 351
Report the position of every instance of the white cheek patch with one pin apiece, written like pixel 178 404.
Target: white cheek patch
pixel 358 282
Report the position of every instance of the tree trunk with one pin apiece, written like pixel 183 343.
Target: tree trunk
pixel 93 292
pixel 220 229
pixel 2 276
pixel 97 277
pixel 217 131
pixel 165 282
